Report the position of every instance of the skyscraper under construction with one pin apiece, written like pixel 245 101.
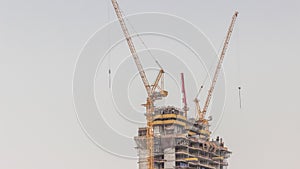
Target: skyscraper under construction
pixel 171 139
pixel 181 143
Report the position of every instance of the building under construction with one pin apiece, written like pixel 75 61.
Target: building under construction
pixel 171 140
pixel 181 143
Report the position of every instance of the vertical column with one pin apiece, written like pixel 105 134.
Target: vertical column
pixel 169 156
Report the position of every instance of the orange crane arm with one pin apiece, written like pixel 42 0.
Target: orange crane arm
pixel 131 47
pixel 152 95
pixel 210 92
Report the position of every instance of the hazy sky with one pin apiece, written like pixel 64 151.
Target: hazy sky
pixel 41 40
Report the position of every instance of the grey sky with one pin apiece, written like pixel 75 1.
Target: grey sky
pixel 39 44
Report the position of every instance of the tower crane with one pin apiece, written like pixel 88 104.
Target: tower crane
pixel 202 113
pixel 152 93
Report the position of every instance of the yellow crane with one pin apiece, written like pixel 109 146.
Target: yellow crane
pixel 202 113
pixel 152 93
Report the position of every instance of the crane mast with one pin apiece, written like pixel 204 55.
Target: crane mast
pixel 152 94
pixel 225 46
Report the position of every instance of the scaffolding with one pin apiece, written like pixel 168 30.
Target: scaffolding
pixel 181 143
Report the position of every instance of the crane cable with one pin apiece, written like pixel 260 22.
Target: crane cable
pixel 142 41
pixel 209 70
pixel 109 44
pixel 239 66
pixel 206 77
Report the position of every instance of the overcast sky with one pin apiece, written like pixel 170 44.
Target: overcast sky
pixel 41 40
